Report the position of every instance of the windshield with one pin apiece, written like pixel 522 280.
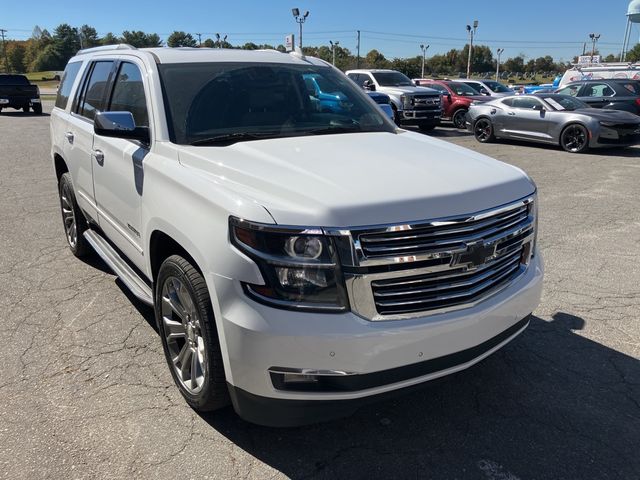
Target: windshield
pixel 13 80
pixel 565 102
pixel 496 86
pixel 462 89
pixel 245 101
pixel 392 79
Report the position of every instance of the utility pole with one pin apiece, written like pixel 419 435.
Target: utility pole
pixel 499 52
pixel 358 49
pixel 199 39
pixel 472 32
pixel 594 39
pixel 333 50
pixel 300 19
pixel 4 49
pixel 424 49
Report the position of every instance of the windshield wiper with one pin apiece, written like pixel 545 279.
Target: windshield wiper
pixel 231 138
pixel 336 129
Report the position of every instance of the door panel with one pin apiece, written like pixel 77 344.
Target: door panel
pixel 118 167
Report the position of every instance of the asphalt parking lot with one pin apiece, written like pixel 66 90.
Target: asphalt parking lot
pixel 85 391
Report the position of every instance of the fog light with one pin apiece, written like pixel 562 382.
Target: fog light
pixel 299 378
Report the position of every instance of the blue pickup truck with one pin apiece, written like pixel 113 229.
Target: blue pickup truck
pixel 332 101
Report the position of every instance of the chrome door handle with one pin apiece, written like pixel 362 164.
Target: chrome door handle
pixel 99 156
pixel 69 136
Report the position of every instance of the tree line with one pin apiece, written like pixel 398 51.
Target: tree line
pixel 45 51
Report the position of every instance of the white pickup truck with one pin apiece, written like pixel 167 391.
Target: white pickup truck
pixel 299 261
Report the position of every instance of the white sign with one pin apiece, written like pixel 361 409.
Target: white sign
pixel 289 42
pixel 587 59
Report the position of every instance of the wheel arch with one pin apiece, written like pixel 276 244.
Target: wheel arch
pixel 60 165
pixel 161 247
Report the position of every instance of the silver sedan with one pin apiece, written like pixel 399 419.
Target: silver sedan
pixel 555 119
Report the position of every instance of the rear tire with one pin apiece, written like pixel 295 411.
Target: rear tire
pixel 458 118
pixel 189 337
pixel 37 109
pixel 483 130
pixel 574 138
pixel 73 219
pixel 25 109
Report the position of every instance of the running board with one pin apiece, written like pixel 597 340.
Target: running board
pixel 125 273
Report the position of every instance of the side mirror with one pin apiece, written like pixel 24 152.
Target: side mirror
pixel 369 85
pixel 119 125
pixel 484 91
pixel 539 108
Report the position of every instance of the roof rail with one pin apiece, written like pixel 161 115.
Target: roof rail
pixel 119 46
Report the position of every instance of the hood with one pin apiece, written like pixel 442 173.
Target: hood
pixel 604 115
pixel 401 90
pixel 359 179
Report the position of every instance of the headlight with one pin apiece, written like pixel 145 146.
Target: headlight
pixel 300 266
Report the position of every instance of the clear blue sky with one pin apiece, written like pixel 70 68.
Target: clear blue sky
pixel 396 28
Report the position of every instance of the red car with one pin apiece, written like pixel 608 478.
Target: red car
pixel 456 98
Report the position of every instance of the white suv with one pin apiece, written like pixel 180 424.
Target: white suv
pixel 298 260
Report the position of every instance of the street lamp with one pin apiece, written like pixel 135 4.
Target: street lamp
pixel 333 50
pixel 300 19
pixel 472 32
pixel 218 42
pixel 594 39
pixel 424 49
pixel 499 52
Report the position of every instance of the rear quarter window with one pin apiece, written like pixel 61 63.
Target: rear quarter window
pixel 633 87
pixel 68 79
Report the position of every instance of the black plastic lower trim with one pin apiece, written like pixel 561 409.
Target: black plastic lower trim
pixel 275 412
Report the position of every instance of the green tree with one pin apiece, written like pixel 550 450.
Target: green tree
pixel 89 36
pixel 612 58
pixel 411 67
pixel 16 52
pixel 66 42
pixel 110 39
pixel 515 64
pixel 181 39
pixel 375 59
pixel 141 39
pixel 209 43
pixel 633 55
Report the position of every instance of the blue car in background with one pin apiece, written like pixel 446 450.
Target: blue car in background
pixel 332 101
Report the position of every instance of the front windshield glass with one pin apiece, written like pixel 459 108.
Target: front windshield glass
pixel 496 86
pixel 393 79
pixel 565 102
pixel 210 101
pixel 463 89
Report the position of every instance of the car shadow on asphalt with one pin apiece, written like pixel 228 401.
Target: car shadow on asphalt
pixel 19 113
pixel 613 151
pixel 552 404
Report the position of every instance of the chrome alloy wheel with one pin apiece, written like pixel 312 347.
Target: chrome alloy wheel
pixel 182 330
pixel 574 138
pixel 69 216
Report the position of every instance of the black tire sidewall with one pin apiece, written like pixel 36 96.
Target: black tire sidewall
pixel 460 111
pixel 212 395
pixel 584 130
pixel 475 125
pixel 82 247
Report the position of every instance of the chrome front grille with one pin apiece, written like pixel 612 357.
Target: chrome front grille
pixel 416 269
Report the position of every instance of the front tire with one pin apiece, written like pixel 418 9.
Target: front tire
pixel 483 130
pixel 189 337
pixel 73 219
pixel 574 139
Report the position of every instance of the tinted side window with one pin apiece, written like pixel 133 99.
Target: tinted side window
pixel 128 94
pixel 95 90
pixel 508 102
pixel 525 102
pixel 356 78
pixel 597 90
pixel 570 90
pixel 68 77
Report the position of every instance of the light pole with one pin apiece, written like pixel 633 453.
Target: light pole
pixel 594 39
pixel 424 49
pixel 499 52
pixel 472 32
pixel 300 19
pixel 218 42
pixel 333 51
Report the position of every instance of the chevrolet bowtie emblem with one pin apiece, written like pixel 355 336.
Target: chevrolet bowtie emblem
pixel 476 255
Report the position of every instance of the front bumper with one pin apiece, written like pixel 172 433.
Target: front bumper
pixel 418 116
pixel 18 102
pixel 382 356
